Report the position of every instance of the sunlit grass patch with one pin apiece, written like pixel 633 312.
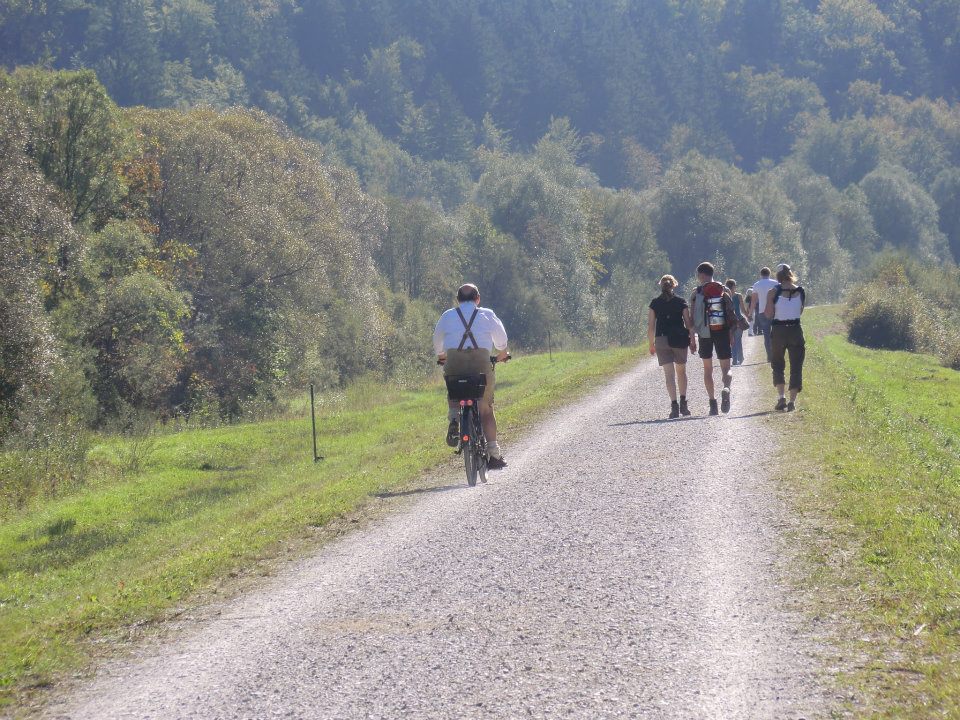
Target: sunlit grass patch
pixel 882 431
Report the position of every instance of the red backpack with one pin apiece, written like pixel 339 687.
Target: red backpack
pixel 717 306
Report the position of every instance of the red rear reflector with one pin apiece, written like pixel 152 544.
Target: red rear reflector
pixel 466 438
pixel 470 403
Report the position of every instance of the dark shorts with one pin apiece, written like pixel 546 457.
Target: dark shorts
pixel 718 342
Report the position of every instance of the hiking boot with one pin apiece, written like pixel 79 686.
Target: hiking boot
pixel 684 410
pixel 674 410
pixel 496 463
pixel 725 400
pixel 713 408
pixel 453 433
pixel 781 404
pixel 791 406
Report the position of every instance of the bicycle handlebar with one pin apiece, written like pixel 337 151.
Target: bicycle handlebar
pixel 493 360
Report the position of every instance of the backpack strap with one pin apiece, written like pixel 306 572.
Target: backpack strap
pixel 468 333
pixel 798 290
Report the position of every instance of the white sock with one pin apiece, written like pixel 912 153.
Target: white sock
pixel 493 449
pixel 452 415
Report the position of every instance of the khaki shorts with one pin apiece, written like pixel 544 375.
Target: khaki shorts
pixel 472 362
pixel 667 354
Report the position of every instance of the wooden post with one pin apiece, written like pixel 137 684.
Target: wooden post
pixel 313 423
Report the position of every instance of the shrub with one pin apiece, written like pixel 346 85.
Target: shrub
pixel 910 306
pixel 882 316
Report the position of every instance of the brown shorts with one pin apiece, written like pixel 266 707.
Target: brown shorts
pixel 667 354
pixel 472 362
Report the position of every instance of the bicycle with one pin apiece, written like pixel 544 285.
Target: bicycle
pixel 472 443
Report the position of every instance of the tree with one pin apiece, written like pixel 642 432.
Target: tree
pixel 33 227
pixel 79 139
pixel 946 193
pixel 904 213
pixel 122 46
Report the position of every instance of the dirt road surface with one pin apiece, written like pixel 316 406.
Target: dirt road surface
pixel 622 566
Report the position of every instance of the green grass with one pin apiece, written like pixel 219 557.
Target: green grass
pixel 129 546
pixel 882 430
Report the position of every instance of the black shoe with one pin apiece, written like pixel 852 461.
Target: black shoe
pixel 725 400
pixel 713 408
pixel 791 407
pixel 684 410
pixel 781 404
pixel 496 463
pixel 674 410
pixel 453 433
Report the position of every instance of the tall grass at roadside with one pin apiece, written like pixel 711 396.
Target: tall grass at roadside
pixel 881 433
pixel 128 546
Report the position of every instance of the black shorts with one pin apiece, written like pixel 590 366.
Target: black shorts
pixel 719 342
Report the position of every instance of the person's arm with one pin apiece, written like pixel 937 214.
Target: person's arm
pixel 769 310
pixel 688 324
pixel 651 330
pixel 499 335
pixel 438 335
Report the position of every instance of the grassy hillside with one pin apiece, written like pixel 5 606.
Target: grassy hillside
pixel 167 520
pixel 883 430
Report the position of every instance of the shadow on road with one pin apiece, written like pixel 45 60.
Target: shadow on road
pixel 658 421
pixel 418 491
pixel 757 414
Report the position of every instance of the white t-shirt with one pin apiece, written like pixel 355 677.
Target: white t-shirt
pixel 486 328
pixel 761 289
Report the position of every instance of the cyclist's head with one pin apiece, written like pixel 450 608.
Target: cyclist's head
pixel 468 293
pixel 764 272
pixel 705 272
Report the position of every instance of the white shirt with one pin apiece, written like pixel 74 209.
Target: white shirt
pixel 760 288
pixel 788 308
pixel 486 328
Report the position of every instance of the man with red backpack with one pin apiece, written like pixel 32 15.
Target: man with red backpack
pixel 713 320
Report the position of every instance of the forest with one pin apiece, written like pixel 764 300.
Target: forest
pixel 205 204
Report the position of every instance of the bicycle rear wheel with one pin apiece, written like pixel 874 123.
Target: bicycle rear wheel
pixel 470 449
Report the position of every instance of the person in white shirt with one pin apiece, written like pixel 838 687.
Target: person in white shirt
pixel 761 291
pixel 785 304
pixel 465 339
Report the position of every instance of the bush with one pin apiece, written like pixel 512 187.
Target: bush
pixel 882 316
pixel 909 307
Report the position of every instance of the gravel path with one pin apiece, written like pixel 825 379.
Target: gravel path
pixel 608 573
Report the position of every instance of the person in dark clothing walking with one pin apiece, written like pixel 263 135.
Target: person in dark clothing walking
pixel 670 332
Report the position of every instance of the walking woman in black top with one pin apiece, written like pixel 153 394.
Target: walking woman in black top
pixel 671 336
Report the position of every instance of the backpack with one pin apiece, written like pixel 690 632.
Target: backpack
pixel 799 289
pixel 718 307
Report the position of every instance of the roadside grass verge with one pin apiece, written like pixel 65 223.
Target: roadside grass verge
pixel 131 545
pixel 881 436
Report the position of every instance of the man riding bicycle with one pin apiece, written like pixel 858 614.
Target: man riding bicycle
pixel 465 339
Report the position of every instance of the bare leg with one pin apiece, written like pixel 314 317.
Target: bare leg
pixel 793 394
pixel 682 379
pixel 670 377
pixel 708 378
pixel 489 421
pixel 727 377
pixel 780 389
